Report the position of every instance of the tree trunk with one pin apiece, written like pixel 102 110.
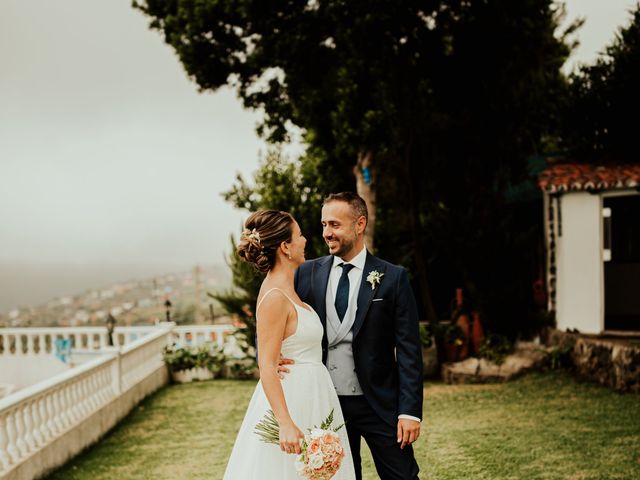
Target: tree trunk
pixel 365 186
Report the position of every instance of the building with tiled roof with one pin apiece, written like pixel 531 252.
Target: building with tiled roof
pixel 575 176
pixel 592 230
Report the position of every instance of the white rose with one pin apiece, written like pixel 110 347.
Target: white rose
pixel 316 433
pixel 299 463
pixel 316 461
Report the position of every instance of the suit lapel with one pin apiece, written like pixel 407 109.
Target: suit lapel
pixel 319 282
pixel 366 293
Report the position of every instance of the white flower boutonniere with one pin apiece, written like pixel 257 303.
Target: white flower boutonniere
pixel 374 278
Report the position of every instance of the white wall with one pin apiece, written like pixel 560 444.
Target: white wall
pixel 580 293
pixel 22 371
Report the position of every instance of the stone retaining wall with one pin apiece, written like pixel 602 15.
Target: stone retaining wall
pixel 611 362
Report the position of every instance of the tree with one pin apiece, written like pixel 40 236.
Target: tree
pixel 429 108
pixel 278 184
pixel 604 97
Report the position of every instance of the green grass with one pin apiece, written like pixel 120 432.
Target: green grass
pixel 542 426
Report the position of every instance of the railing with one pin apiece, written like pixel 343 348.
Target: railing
pixel 33 417
pixel 42 341
pixel 198 334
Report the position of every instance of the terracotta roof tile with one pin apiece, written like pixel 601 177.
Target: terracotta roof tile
pixel 577 176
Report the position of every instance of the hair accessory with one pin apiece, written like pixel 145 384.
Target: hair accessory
pixel 252 235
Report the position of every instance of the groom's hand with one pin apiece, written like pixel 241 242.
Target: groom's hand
pixel 281 366
pixel 408 431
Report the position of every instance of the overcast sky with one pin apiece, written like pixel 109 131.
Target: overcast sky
pixel 107 151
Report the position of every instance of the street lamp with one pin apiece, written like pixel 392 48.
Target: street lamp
pixel 167 306
pixel 111 325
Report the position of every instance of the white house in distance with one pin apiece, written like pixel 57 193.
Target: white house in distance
pixel 592 231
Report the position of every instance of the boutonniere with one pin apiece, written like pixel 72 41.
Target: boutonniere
pixel 374 278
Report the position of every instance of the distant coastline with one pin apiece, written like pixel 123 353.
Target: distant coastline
pixel 30 284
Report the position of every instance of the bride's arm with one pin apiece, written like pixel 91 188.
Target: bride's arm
pixel 271 329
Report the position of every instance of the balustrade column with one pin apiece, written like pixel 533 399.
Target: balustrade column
pixel 12 436
pixel 44 419
pixel 18 345
pixel 27 420
pixel 72 409
pixel 5 459
pixel 31 351
pixel 115 370
pixel 23 448
pixel 55 404
pixel 36 423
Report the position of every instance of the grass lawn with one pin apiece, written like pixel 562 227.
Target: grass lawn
pixel 542 426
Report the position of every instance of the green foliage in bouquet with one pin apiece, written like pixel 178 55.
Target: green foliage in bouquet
pixel 268 429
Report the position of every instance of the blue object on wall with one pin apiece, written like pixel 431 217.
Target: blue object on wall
pixel 63 349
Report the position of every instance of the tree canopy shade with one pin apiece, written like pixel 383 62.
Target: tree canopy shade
pixel 605 100
pixel 434 105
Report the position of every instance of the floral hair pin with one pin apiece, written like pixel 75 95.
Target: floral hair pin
pixel 252 235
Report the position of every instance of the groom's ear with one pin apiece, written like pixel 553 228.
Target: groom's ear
pixel 361 224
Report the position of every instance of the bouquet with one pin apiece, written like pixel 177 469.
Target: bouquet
pixel 322 451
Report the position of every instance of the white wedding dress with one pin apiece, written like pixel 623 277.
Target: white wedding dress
pixel 310 396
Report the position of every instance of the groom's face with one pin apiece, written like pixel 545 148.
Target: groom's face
pixel 339 229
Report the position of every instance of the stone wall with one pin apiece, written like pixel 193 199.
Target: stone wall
pixel 611 362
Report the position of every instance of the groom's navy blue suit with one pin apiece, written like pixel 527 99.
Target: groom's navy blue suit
pixel 387 356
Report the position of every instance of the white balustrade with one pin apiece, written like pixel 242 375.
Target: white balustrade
pixel 31 418
pixel 195 335
pixel 41 340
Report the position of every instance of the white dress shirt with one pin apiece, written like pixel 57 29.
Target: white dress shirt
pixel 355 278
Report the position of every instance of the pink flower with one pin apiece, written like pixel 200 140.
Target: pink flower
pixel 314 446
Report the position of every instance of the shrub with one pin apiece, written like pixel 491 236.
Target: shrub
pixel 495 348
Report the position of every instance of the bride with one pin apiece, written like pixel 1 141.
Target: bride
pixel 273 243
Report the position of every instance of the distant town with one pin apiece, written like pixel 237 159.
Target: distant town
pixel 182 297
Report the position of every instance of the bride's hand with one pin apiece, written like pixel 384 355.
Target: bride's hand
pixel 290 438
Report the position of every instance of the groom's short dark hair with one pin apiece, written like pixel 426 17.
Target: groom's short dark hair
pixel 355 201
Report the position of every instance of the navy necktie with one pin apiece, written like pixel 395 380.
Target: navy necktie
pixel 342 294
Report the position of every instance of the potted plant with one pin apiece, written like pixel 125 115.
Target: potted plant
pixel 189 363
pixel 180 362
pixel 209 360
pixel 451 338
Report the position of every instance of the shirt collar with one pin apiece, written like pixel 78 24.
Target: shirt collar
pixel 358 261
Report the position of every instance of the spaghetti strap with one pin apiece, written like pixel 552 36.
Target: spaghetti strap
pixel 268 292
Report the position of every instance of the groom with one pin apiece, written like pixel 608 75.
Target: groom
pixel 371 344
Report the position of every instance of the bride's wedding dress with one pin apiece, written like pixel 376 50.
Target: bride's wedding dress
pixel 310 396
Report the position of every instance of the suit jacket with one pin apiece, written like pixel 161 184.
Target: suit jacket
pixel 386 337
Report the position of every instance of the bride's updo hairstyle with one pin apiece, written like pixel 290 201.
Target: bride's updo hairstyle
pixel 263 233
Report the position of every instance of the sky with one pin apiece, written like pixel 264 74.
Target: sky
pixel 108 153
